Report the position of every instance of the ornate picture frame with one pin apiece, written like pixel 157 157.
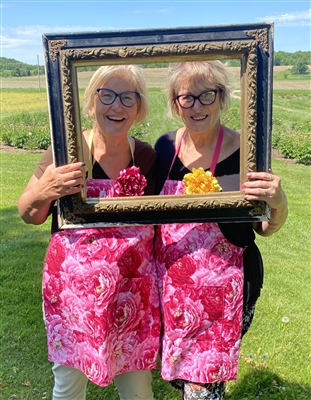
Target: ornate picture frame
pixel 252 44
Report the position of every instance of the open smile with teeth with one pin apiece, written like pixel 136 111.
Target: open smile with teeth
pixel 116 119
pixel 199 118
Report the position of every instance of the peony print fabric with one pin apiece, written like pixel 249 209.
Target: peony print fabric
pixel 129 183
pixel 201 289
pixel 101 301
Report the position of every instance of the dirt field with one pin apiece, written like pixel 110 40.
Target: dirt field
pixel 155 78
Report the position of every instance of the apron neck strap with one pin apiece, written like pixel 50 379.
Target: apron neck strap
pixel 215 155
pixel 217 150
pixel 90 163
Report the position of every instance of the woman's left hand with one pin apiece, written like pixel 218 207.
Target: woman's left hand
pixel 265 186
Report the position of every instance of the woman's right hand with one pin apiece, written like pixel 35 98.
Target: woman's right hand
pixel 57 182
pixel 35 202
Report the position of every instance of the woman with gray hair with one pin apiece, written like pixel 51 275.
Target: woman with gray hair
pixel 100 295
pixel 210 274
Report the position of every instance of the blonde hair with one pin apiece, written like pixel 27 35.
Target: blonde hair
pixel 133 73
pixel 206 73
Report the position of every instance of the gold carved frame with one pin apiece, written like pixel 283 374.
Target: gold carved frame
pixel 251 44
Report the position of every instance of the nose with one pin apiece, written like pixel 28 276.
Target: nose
pixel 117 103
pixel 197 105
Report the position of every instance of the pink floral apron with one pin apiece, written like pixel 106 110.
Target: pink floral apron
pixel 201 289
pixel 101 301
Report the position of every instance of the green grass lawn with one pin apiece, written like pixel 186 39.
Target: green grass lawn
pixel 276 353
pixel 275 357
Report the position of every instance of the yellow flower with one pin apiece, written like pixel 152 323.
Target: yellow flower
pixel 199 181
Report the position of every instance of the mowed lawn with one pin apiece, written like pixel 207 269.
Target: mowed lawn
pixel 276 352
pixel 275 356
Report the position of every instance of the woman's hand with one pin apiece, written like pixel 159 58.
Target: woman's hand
pixel 35 202
pixel 266 186
pixel 57 182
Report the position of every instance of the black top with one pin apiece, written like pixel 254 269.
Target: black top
pixel 240 234
pixel 145 159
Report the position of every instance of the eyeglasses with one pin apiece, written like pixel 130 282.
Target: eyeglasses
pixel 107 97
pixel 206 98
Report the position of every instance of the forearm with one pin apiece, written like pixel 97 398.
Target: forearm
pixel 34 205
pixel 35 202
pixel 276 221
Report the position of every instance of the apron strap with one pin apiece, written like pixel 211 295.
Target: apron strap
pixel 215 155
pixel 217 150
pixel 90 163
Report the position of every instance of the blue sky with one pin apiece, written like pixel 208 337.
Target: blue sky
pixel 24 22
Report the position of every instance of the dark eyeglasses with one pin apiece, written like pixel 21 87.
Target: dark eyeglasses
pixel 107 97
pixel 206 98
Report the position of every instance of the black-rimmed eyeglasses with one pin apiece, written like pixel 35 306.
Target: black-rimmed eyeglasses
pixel 206 98
pixel 107 97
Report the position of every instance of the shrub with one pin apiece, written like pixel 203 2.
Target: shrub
pixel 29 130
pixel 139 131
pixel 301 67
pixel 294 141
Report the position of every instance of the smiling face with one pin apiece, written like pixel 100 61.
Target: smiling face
pixel 115 119
pixel 200 119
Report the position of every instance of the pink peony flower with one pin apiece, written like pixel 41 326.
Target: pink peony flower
pixel 130 183
pixel 130 262
pixel 61 341
pixel 182 270
pixel 92 191
pixel 53 287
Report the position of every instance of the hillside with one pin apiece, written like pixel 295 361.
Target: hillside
pixel 11 67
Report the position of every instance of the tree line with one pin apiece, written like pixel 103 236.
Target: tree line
pixel 11 67
pixel 299 60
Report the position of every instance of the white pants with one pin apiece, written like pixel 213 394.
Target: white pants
pixel 70 384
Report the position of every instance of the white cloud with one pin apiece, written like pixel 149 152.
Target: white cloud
pixel 23 43
pixel 32 34
pixel 12 43
pixel 298 18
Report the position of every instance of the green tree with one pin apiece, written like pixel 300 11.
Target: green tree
pixel 11 67
pixel 234 63
pixel 16 72
pixel 283 58
pixel 299 68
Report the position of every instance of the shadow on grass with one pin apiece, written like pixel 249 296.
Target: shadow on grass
pixel 262 383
